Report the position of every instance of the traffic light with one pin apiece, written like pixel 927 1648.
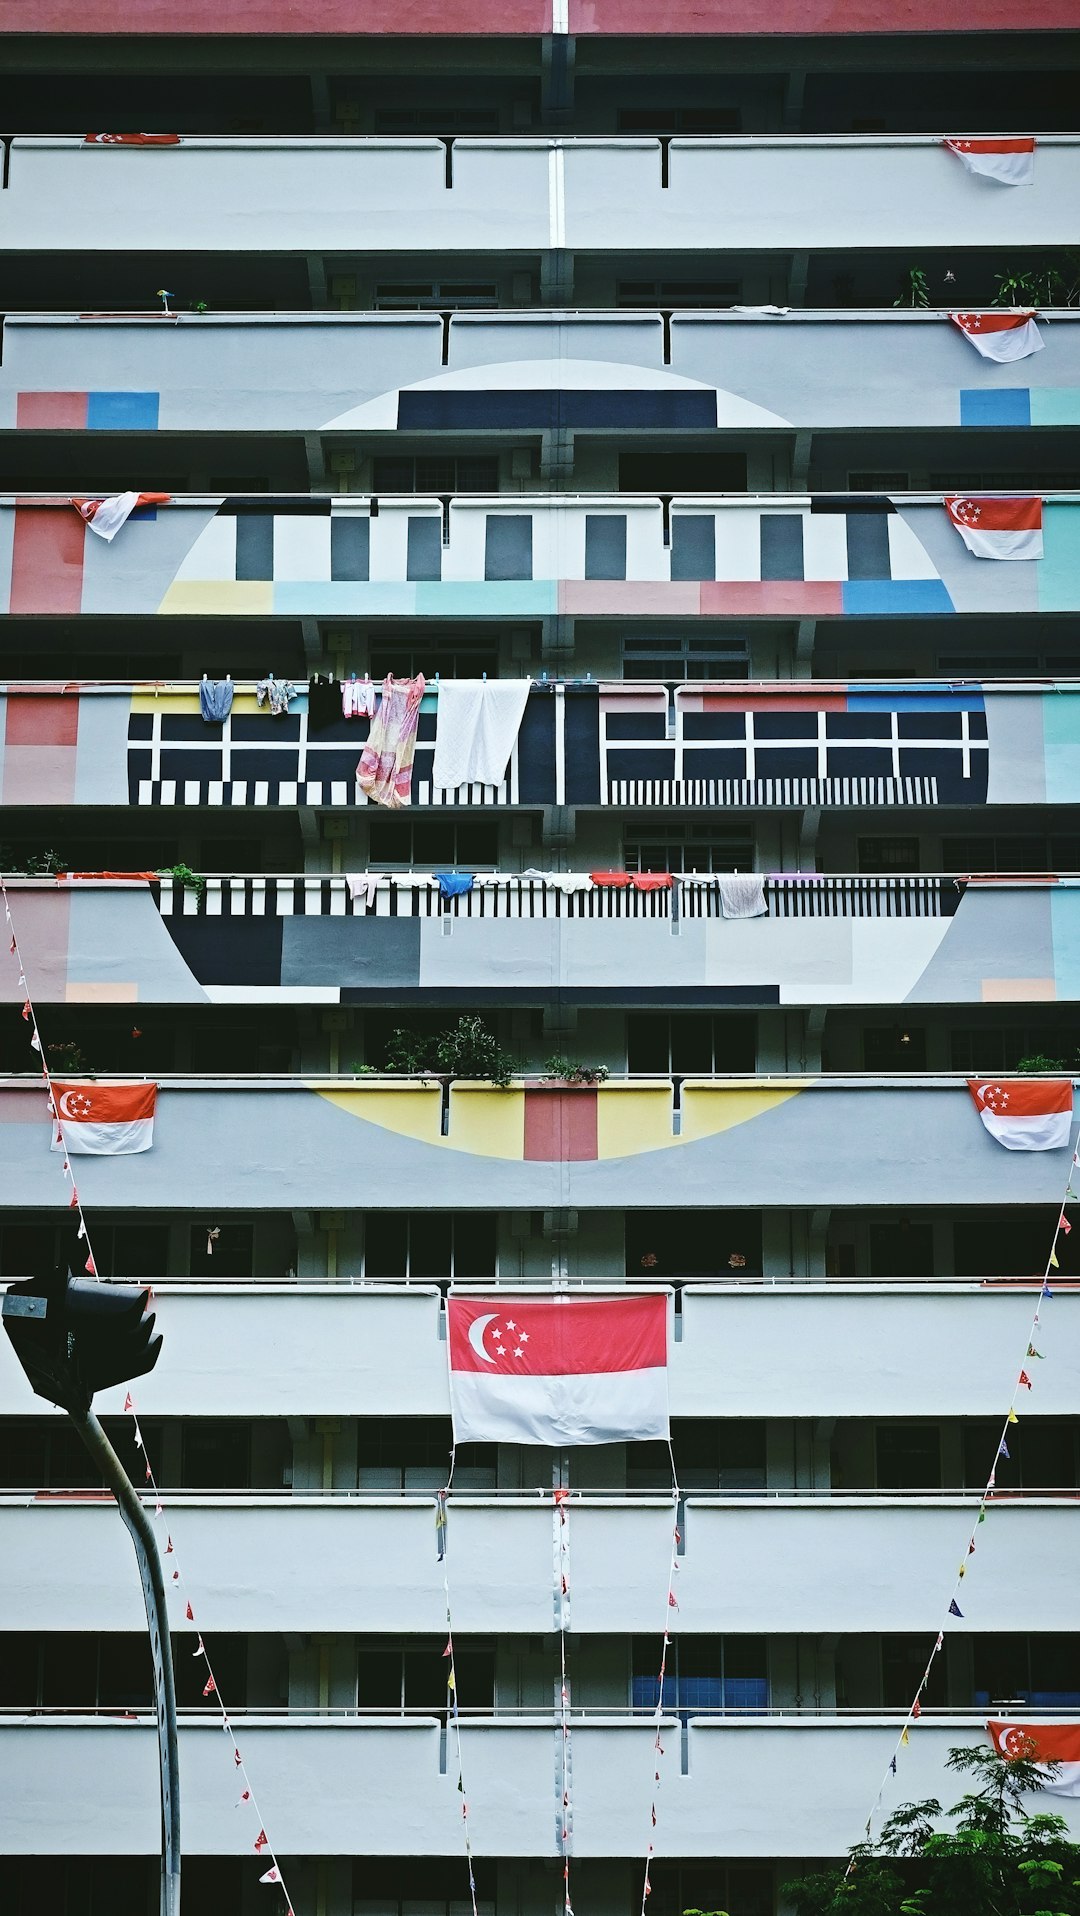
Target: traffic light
pixel 89 1335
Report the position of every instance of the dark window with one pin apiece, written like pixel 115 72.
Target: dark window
pixel 216 1453
pixel 908 1457
pixel 694 1043
pixel 704 1674
pixel 230 1254
pixel 432 1244
pixel 664 1244
pixel 679 472
pixel 892 1048
pixel 883 855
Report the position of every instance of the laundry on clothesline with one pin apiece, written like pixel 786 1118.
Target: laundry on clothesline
pixel 454 884
pixel 362 888
pixel 215 700
pixel 277 693
pixel 384 773
pixel 476 730
pixel 357 698
pixel 742 894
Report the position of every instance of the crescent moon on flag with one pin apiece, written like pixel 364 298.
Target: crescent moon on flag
pixel 983 1091
pixel 64 1105
pixel 476 1335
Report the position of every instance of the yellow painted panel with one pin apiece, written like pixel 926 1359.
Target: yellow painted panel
pixel 488 1122
pixel 188 702
pixel 219 595
pixel 632 1118
pixel 708 1108
pixel 412 1111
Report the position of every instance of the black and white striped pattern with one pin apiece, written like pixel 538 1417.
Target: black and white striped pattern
pixel 228 792
pixel 796 792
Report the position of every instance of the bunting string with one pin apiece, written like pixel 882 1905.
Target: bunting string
pixel 262 1847
pixel 952 1611
pixel 564 1763
pixel 453 1699
pixel 671 1603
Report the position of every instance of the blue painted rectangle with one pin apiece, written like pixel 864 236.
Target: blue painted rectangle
pixel 502 410
pixel 1008 406
pixel 122 412
pixel 423 559
pixel 781 545
pixel 866 598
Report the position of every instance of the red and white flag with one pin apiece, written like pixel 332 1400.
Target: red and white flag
pixel 1010 162
pixel 104 1120
pixel 1000 335
pixel 998 528
pixel 272 1875
pixel 131 139
pixel 1025 1114
pixel 106 516
pixel 560 1370
pixel 1043 1743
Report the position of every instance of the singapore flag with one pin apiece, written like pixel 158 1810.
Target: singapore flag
pixel 1003 335
pixel 558 1370
pixel 106 516
pixel 1025 1114
pixel 1009 162
pixel 998 528
pixel 103 1120
pixel 1043 1743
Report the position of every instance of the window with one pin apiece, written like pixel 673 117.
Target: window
pixel 687 656
pixel 679 472
pixel 447 473
pixel 903 1662
pixel 668 294
pixel 430 1244
pixel 413 296
pixel 1042 1453
pixel 467 657
pixel 908 1457
pixel 468 844
pixel 704 1675
pixel 436 120
pixel 413 1453
pixel 393 1886
pixel 894 1048
pixel 900 1246
pixel 879 481
pixel 391 1676
pixel 986 1048
pixel 884 855
pixel 710 843
pixel 743 1889
pixel 121 1250
pixel 1043 1670
pixel 216 1453
pixel 694 1043
pixel 711 1453
pixel 240 1042
pixel 665 1244
pixel 679 119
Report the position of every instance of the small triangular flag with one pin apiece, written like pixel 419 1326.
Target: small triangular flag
pixel 1023 1381
pixel 209 1687
pixel 261 1841
pixel 904 1738
pixel 128 1404
pixel 954 1609
pixel 1054 1265
pixel 272 1875
pixel 916 1709
pixel 189 1613
pixel 1013 1418
pixel 1046 1291
pixel 1004 1451
pixel 982 1516
pixel 892 1766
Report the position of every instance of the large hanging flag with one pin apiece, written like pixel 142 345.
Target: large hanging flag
pixel 1000 335
pixel 1043 1743
pixel 106 516
pixel 998 528
pixel 1010 162
pixel 103 1120
pixel 1025 1114
pixel 558 1370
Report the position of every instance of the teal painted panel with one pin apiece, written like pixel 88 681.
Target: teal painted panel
pixel 1065 933
pixel 1059 571
pixel 1061 747
pixel 487 598
pixel 1055 405
pixel 344 598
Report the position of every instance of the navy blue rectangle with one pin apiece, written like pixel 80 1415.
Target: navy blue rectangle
pixel 255 545
pixel 139 764
pixel 539 410
pixel 785 725
pixel 853 761
pixel 868 545
pixel 426 727
pixel 424 556
pixel 976 724
pixel 781 545
pixel 581 742
pixel 341 764
pixel 693 546
pixel 713 725
pixel 141 725
pixel 929 724
pixel 714 762
pixel 184 725
pixel 229 951
pixel 635 725
pixel 790 762
pixel 259 726
pixel 272 765
pixel 625 762
pixel 350 546
pixel 858 724
pixel 536 750
pixel 508 546
pixel 181 764
pixel 605 545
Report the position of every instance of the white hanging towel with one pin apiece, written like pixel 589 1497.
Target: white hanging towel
pixel 476 727
pixel 362 887
pixel 742 894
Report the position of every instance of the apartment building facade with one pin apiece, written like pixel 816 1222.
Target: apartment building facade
pixel 611 351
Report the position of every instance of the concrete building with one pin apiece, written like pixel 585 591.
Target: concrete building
pixel 608 347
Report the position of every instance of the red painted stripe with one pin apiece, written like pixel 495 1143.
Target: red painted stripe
pixel 47 560
pixel 359 17
pixel 789 702
pixel 42 719
pixel 560 1125
pixel 768 598
pixel 51 412
pixel 548 1337
pixel 654 17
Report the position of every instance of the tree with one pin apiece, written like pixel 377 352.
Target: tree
pixel 998 1859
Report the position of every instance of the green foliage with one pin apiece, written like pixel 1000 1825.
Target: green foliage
pixel 466 1049
pixel 40 864
pixel 66 1056
pixel 1038 1061
pixel 997 1859
pixel 565 1069
pixel 914 288
pixel 184 876
pixel 1056 283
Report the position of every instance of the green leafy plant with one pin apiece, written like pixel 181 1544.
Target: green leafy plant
pixel 40 864
pixel 914 288
pixel 184 876
pixel 1038 1061
pixel 571 1073
pixel 998 1859
pixel 1055 283
pixel 466 1049
pixel 66 1055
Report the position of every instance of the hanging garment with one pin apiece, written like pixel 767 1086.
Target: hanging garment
pixel 362 888
pixel 215 700
pixel 357 698
pixel 278 693
pixel 476 730
pixel 454 884
pixel 742 894
pixel 323 702
pixel 384 773
pixel 641 881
